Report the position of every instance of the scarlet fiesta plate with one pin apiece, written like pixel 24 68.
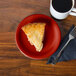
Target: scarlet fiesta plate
pixel 51 41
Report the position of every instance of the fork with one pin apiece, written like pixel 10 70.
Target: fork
pixel 72 35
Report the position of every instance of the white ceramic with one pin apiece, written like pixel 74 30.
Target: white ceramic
pixel 59 15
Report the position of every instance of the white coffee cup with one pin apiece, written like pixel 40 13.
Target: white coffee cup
pixel 59 15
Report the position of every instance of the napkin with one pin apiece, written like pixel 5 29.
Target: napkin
pixel 69 52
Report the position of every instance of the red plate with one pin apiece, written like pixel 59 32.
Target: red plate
pixel 51 40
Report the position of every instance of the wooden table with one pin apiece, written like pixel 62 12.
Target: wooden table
pixel 12 62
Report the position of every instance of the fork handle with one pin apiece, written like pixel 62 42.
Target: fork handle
pixel 59 54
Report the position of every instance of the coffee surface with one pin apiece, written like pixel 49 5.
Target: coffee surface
pixel 62 5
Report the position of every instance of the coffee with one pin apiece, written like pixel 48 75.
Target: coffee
pixel 62 5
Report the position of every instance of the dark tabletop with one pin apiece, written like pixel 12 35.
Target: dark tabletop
pixel 12 62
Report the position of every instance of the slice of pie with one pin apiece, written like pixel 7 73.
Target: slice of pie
pixel 35 34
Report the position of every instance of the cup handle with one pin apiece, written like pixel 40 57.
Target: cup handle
pixel 73 12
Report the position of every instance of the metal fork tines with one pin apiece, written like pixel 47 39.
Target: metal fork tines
pixel 72 35
pixel 73 32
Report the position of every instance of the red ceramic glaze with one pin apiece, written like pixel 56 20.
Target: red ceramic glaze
pixel 51 40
